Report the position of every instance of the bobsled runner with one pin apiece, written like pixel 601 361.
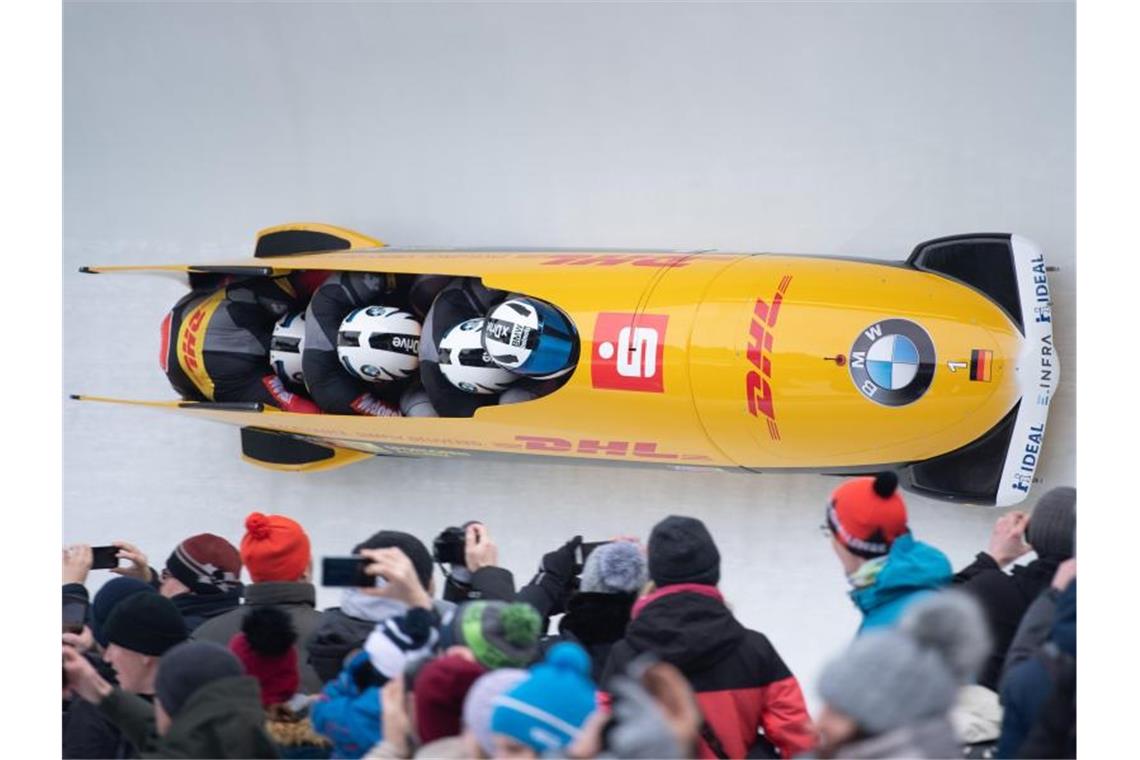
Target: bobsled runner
pixel 940 367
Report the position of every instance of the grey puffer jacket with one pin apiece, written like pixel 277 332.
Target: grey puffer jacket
pixel 931 738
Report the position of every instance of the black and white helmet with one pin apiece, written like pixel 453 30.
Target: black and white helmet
pixel 286 347
pixel 466 364
pixel 379 343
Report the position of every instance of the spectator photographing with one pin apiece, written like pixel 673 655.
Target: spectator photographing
pixel 202 576
pixel 597 614
pixel 1006 596
pixel 135 626
pixel 740 681
pixel 886 567
pixel 204 706
pixel 405 566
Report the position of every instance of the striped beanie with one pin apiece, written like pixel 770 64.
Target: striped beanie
pixel 399 640
pixel 500 634
pixel 206 564
pixel 547 711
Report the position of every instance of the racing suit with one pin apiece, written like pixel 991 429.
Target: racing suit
pixel 215 343
pixel 331 386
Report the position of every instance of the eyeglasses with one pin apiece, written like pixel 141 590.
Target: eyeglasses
pixel 825 530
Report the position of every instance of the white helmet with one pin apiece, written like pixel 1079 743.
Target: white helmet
pixel 530 337
pixel 286 347
pixel 379 343
pixel 466 365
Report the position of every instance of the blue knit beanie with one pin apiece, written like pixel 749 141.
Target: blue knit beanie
pixel 548 709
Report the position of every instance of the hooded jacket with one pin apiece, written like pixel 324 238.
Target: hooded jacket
pixel 912 568
pixel 222 719
pixel 1004 598
pixel 299 600
pixel 740 681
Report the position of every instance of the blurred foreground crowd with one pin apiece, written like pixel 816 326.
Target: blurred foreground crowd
pixel 620 649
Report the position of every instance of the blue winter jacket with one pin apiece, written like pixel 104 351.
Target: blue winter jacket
pixel 912 570
pixel 1029 684
pixel 347 716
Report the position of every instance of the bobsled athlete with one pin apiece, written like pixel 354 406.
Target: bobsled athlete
pixel 216 343
pixel 530 337
pixel 457 374
pixel 340 387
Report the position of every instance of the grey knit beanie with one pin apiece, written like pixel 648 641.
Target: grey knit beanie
pixel 188 667
pixel 479 703
pixel 891 678
pixel 615 568
pixel 1053 524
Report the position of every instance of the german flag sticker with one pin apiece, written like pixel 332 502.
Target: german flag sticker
pixel 981 362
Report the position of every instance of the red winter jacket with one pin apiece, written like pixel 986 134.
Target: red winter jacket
pixel 742 685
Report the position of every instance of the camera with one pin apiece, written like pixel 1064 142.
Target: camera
pixel 449 547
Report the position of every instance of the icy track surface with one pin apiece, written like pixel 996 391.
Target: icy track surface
pixel 814 128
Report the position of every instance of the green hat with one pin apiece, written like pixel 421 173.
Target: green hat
pixel 500 634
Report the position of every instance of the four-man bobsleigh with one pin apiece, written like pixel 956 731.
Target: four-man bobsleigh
pixel 941 367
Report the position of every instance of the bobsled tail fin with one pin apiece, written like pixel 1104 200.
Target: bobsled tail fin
pixel 309 237
pixel 281 451
pixel 999 468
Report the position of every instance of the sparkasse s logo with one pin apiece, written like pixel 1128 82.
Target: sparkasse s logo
pixel 628 351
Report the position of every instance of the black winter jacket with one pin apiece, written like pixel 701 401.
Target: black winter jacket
pixel 1004 598
pixel 597 622
pixel 198 608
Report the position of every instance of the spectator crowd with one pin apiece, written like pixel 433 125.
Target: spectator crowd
pixel 622 649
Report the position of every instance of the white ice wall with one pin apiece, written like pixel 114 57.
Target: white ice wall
pixel 814 128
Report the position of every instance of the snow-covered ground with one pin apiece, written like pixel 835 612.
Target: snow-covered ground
pixel 814 128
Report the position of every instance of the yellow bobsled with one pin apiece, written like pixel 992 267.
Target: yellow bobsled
pixel 941 367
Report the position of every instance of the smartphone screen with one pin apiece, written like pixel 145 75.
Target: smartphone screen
pixel 103 557
pixel 584 550
pixel 74 615
pixel 347 572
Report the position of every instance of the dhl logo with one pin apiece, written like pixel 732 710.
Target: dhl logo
pixel 673 260
pixel 758 381
pixel 637 449
pixel 189 345
pixel 191 340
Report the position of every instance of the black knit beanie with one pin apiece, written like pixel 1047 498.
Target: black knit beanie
pixel 411 546
pixel 190 666
pixel 682 551
pixel 145 623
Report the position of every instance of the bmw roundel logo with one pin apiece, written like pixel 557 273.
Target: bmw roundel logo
pixel 892 362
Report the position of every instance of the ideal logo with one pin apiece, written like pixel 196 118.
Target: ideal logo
pixel 628 352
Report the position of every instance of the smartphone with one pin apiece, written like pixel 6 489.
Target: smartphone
pixel 104 557
pixel 348 572
pixel 74 615
pixel 585 550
